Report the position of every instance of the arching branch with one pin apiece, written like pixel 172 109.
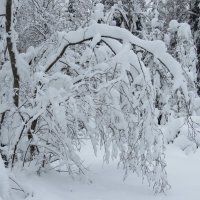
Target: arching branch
pixel 63 51
pixel 156 48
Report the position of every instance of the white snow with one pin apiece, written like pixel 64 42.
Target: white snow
pixel 99 12
pixel 173 25
pixel 95 40
pixel 104 182
pixel 184 31
pixel 2 7
pixel 155 23
pixel 157 48
pixel 3 108
pixel 4 186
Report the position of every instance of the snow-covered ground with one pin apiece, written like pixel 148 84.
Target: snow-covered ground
pixel 105 182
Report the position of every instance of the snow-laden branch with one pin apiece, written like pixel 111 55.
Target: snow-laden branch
pixel 156 48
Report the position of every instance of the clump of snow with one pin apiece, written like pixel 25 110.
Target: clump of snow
pixel 173 26
pixel 99 12
pixel 167 39
pixel 4 185
pixel 95 40
pixel 155 23
pixel 184 31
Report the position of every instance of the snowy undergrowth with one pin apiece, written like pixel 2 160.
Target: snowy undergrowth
pixel 4 185
pixel 104 181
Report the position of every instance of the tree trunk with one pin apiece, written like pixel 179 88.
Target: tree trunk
pixel 195 25
pixel 11 52
pixel 33 148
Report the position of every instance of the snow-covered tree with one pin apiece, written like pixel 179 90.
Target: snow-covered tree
pixel 100 83
pixel 129 87
pixel 37 20
pixel 181 45
pixel 172 10
pixel 127 14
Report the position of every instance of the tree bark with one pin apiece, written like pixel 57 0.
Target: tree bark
pixel 11 52
pixel 195 25
pixel 33 148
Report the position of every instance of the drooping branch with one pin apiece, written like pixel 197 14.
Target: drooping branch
pixel 156 48
pixel 63 51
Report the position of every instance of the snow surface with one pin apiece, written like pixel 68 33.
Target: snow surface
pixel 2 7
pixel 4 186
pixel 104 182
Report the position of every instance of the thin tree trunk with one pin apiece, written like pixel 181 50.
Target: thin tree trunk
pixel 11 52
pixel 33 148
pixel 194 21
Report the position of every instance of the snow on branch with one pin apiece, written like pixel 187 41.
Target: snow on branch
pixel 156 48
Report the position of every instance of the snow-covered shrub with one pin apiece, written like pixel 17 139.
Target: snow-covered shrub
pixel 100 83
pixel 119 93
pixel 180 42
pixel 128 14
pixel 36 22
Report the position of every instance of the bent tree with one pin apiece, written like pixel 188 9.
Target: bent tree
pixel 100 83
